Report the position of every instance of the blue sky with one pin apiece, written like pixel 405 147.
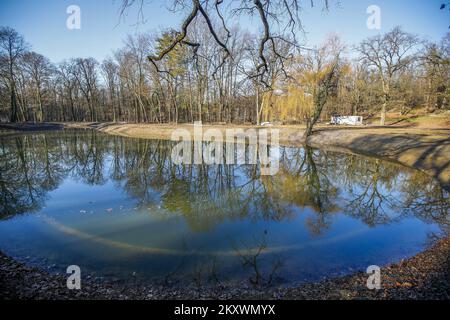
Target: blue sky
pixel 43 23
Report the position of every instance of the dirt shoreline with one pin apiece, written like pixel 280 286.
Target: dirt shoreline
pixel 424 276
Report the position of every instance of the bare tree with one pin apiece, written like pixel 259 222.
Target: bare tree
pixel 276 18
pixel 39 70
pixel 435 62
pixel 388 54
pixel 12 47
pixel 65 74
pixel 110 72
pixel 85 73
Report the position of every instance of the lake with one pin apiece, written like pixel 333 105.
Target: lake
pixel 120 209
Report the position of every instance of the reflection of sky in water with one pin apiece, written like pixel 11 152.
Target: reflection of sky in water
pixel 119 207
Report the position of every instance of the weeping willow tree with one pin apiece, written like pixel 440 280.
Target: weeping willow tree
pixel 314 81
pixel 291 103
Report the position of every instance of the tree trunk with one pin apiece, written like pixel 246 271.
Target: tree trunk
pixel 257 108
pixel 40 117
pixel 386 91
pixel 383 114
pixel 384 108
pixel 13 116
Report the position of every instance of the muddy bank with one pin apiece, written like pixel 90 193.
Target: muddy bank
pixel 9 128
pixel 425 276
pixel 426 150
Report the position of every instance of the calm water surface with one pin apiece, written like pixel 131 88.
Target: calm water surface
pixel 119 208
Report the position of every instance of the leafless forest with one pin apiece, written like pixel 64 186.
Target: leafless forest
pixel 211 71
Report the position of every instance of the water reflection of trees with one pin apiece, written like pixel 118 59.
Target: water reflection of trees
pixel 374 191
pixel 27 173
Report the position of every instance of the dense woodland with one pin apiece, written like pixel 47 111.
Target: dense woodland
pixel 191 82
